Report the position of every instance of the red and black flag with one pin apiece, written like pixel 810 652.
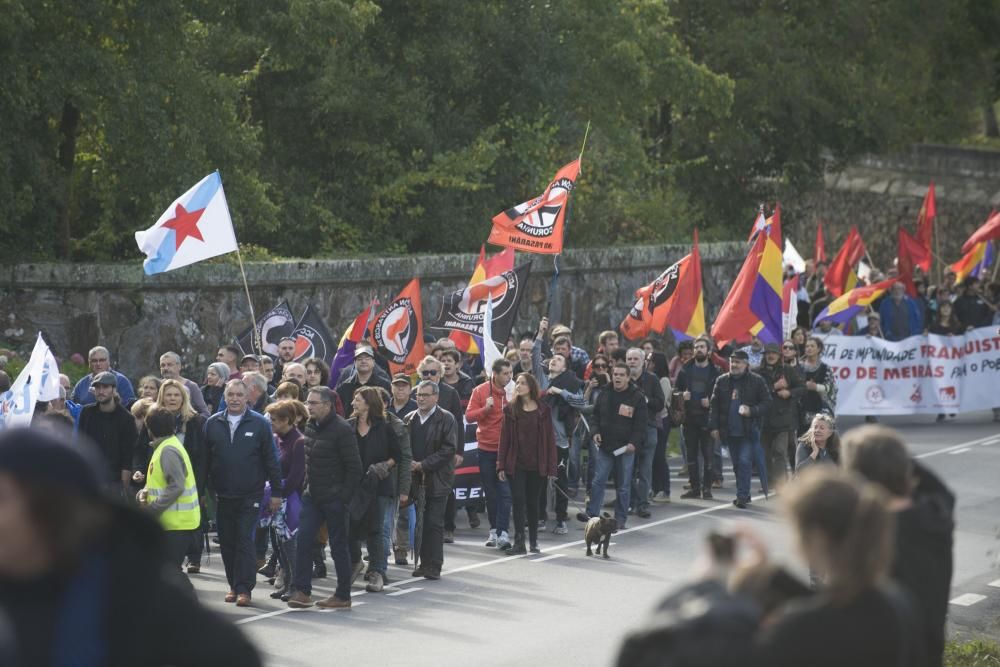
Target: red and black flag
pixel 536 226
pixel 398 331
pixel 272 326
pixel 464 310
pixel 312 337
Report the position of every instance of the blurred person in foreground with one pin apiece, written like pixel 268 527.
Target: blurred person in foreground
pixel 84 581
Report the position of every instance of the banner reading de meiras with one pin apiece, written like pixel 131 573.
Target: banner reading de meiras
pixel 464 309
pixel 918 375
pixel 398 331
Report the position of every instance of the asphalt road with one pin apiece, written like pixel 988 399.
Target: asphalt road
pixel 561 607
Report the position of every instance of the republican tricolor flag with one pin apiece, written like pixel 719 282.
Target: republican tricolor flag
pixel 194 227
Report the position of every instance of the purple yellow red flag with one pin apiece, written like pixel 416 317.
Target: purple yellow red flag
pixel 989 231
pixel 845 307
pixel 974 262
pixel 349 342
pixel 842 276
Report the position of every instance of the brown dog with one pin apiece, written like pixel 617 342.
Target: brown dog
pixel 598 531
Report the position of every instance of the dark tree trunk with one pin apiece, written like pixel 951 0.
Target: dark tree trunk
pixel 68 125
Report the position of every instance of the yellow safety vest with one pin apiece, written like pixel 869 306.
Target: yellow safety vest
pixel 185 513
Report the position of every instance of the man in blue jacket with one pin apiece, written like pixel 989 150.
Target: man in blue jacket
pixel 901 316
pixel 241 458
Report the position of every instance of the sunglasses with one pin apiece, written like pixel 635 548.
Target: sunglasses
pixel 428 373
pixel 600 366
pixel 787 347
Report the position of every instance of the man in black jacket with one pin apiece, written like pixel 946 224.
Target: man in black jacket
pixel 649 384
pixel 241 457
pixel 782 418
pixel 694 383
pixel 364 373
pixel 618 427
pixel 432 370
pixel 333 473
pixel 925 524
pixel 112 428
pixel 434 441
pixel 739 403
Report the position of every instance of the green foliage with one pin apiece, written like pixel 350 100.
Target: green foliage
pixel 974 653
pixel 360 126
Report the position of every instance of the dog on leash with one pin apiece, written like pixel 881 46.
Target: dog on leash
pixel 598 531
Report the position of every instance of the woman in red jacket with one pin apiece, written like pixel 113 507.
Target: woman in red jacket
pixel 527 456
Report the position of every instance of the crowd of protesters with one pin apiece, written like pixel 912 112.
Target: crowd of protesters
pixel 281 460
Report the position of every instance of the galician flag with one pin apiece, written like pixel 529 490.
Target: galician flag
pixel 38 381
pixel 196 226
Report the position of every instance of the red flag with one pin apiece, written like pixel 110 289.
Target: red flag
pixel 485 268
pixel 636 324
pixel 842 274
pixel 819 255
pixel 736 319
pixel 989 231
pixel 398 331
pixel 909 255
pixel 925 227
pixel 536 226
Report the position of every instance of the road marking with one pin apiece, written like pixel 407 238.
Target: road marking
pixel 405 591
pixel 967 599
pixel 545 558
pixel 353 605
pixel 959 451
pixel 960 445
pixel 994 584
pixel 995 441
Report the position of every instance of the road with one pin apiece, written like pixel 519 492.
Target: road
pixel 561 607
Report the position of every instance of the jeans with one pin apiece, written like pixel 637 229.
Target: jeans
pixel 498 500
pixel 699 441
pixel 526 486
pixel 237 518
pixel 644 470
pixel 406 523
pixel 334 514
pixel 369 528
pixel 661 465
pixel 746 451
pixel 389 517
pixel 622 466
pixel 776 445
pixel 575 458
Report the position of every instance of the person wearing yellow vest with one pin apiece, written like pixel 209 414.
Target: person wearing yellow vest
pixel 170 492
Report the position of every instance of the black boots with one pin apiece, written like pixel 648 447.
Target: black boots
pixel 517 549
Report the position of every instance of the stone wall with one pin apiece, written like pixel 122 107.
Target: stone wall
pixel 881 193
pixel 194 309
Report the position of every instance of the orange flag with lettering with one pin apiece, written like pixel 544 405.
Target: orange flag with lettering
pixel 398 331
pixel 536 226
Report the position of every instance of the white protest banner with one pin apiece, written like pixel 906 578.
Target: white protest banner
pixel 919 375
pixel 37 381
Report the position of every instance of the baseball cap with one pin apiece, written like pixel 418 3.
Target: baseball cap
pixel 250 356
pixel 400 378
pixel 560 330
pixel 772 347
pixel 740 354
pixel 364 349
pixel 105 377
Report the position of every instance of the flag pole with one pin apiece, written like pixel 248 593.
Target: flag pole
pixel 255 336
pixel 937 253
pixel 996 263
pixel 586 133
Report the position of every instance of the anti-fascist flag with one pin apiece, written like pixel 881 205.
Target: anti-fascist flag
pixel 312 338
pixel 398 331
pixel 272 326
pixel 464 310
pixel 536 226
pixel 485 268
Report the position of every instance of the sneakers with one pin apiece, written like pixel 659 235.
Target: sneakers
pixel 194 568
pixel 299 600
pixel 503 540
pixel 491 541
pixel 541 524
pixel 374 583
pixel 517 549
pixel 449 537
pixel 401 557
pixel 740 503
pixel 717 484
pixel 582 517
pixel 332 602
pixel 356 570
pixel 560 528
pixel 661 497
pixel 693 493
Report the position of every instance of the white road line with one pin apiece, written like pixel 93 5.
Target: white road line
pixel 994 584
pixel 545 558
pixel 353 605
pixel 967 599
pixel 960 445
pixel 405 591
pixel 994 441
pixel 959 451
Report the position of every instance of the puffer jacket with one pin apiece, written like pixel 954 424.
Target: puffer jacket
pixel 333 464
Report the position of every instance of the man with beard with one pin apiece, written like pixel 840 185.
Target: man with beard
pixel 739 402
pixel 649 384
pixel 782 418
pixel 286 353
pixel 111 427
pixel 564 394
pixel 694 382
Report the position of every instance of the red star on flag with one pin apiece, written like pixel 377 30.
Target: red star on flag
pixel 185 224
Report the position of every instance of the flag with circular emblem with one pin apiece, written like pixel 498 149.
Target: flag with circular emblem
pixel 398 331
pixel 536 226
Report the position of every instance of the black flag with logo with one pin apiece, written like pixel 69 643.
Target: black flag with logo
pixel 312 338
pixel 464 310
pixel 272 326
